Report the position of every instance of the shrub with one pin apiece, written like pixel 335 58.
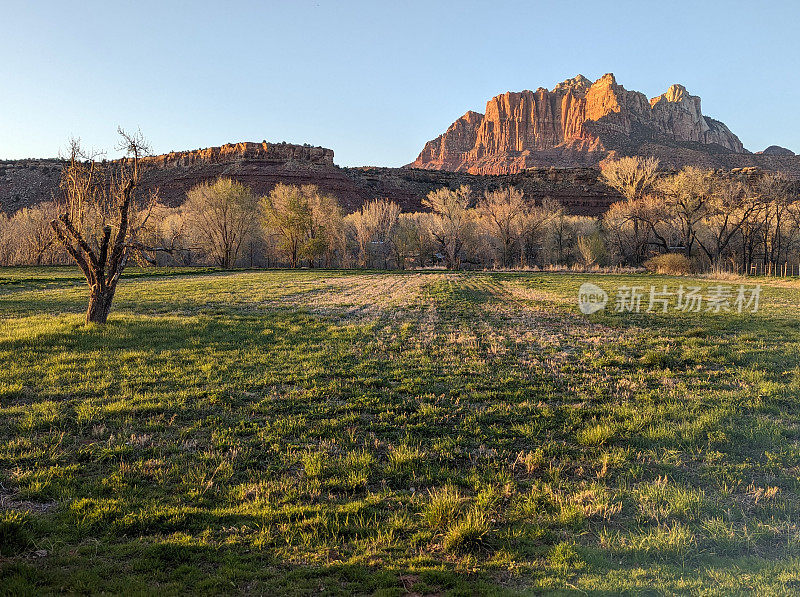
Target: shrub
pixel 673 264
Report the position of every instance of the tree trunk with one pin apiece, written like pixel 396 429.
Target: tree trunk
pixel 99 306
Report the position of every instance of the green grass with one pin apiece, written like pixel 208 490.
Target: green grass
pixel 336 432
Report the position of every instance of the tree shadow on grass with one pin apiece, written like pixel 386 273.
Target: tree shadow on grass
pixel 169 567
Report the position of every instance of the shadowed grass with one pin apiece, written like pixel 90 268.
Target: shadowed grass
pixel 345 432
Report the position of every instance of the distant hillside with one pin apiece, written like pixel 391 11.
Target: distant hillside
pixel 263 165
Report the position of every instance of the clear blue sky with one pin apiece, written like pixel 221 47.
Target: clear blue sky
pixel 371 80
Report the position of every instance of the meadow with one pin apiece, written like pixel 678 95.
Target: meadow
pixel 341 432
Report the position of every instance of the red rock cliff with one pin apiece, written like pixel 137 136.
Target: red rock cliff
pixel 577 123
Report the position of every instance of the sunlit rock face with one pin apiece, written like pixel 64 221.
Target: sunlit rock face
pixel 577 123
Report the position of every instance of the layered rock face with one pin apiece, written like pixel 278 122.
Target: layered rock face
pixel 577 123
pixel 233 152
pixel 263 165
pixel 258 165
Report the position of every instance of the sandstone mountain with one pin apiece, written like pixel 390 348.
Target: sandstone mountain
pixel 580 123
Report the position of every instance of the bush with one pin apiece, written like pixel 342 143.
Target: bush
pixel 673 264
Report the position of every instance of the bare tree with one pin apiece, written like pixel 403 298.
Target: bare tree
pixel 34 236
pixel 532 226
pixel 501 214
pixel 687 195
pixel 774 191
pixel 95 226
pixel 633 177
pixel 730 213
pixel 168 229
pixel 374 226
pixel 618 225
pixel 453 221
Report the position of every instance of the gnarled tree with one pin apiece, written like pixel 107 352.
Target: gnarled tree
pixel 95 224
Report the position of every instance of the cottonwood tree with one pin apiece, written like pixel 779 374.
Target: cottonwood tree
pixel 34 235
pixel 325 234
pixel 412 239
pixel 169 229
pixel 95 225
pixel 633 177
pixel 406 239
pixel 223 216
pixel 618 226
pixel 533 225
pixel 687 196
pixel 6 245
pixel 453 221
pixel 502 213
pixel 287 213
pixel 591 248
pixel 374 226
pixel 308 223
pixel 774 191
pixel 729 215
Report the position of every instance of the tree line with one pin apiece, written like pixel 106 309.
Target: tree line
pixel 714 220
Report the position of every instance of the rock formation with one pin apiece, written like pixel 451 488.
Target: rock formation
pixel 580 123
pixel 263 165
pixel 776 150
pixel 236 152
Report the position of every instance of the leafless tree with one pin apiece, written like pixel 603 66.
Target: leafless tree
pixel 34 237
pixel 374 226
pixel 633 177
pixel 731 212
pixel 94 226
pixel 501 214
pixel 533 225
pixel 453 221
pixel 687 196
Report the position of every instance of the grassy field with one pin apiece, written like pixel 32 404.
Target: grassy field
pixel 393 433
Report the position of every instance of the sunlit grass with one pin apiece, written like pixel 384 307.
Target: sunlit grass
pixel 429 432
